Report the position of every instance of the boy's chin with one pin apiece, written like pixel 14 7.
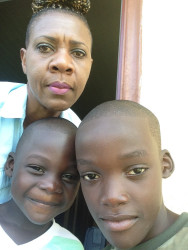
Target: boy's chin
pixel 40 220
pixel 121 242
pixel 121 245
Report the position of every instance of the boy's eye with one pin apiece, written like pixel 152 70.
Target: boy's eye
pixel 136 171
pixel 79 53
pixel 45 48
pixel 70 177
pixel 90 177
pixel 34 169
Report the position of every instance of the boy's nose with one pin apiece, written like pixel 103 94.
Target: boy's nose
pixel 114 194
pixel 62 62
pixel 52 185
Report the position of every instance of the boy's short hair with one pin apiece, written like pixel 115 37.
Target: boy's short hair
pixel 57 123
pixel 126 108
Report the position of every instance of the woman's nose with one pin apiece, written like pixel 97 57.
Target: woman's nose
pixel 62 62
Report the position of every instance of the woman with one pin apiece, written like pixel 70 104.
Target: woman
pixel 57 62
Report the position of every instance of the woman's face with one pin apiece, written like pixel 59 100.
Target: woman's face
pixel 57 61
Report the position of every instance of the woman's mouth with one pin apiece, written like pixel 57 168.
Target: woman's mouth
pixel 59 88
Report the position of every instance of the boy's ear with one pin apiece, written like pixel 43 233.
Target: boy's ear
pixel 167 163
pixel 23 59
pixel 9 164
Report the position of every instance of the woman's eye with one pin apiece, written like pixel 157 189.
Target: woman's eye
pixel 70 177
pixel 34 169
pixel 78 53
pixel 136 171
pixel 90 177
pixel 45 48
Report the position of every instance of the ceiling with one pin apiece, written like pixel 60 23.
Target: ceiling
pixel 103 18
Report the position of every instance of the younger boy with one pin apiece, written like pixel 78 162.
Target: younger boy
pixel 121 164
pixel 45 182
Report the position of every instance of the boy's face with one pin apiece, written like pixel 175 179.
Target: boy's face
pixel 121 171
pixel 45 180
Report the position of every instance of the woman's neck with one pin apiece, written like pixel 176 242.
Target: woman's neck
pixel 37 112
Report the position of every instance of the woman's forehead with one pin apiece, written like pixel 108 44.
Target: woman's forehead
pixel 55 22
pixel 56 18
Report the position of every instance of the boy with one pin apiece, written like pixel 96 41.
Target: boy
pixel 45 182
pixel 121 164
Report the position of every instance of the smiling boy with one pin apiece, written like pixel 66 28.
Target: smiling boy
pixel 121 164
pixel 45 182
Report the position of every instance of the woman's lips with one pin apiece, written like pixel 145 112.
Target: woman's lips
pixel 120 223
pixel 59 88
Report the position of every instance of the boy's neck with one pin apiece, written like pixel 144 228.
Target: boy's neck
pixel 17 226
pixel 165 219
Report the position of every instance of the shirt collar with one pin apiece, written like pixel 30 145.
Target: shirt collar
pixel 15 104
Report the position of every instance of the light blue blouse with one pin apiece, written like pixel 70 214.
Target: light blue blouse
pixel 13 98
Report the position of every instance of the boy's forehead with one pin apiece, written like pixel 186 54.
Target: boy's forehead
pixel 113 129
pixel 48 134
pixel 42 135
pixel 117 137
pixel 47 144
pixel 113 124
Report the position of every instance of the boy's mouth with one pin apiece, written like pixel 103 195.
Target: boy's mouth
pixel 44 203
pixel 119 222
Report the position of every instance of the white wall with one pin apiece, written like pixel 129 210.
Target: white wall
pixel 164 87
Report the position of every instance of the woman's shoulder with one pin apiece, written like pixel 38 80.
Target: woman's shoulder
pixel 7 87
pixel 71 116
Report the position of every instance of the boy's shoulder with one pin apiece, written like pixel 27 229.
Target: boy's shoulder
pixel 56 237
pixel 58 242
pixel 175 237
pixel 178 234
pixel 60 231
pixel 109 247
pixel 62 238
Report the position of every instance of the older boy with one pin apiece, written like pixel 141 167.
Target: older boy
pixel 121 164
pixel 45 182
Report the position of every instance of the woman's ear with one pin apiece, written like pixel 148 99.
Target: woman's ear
pixel 9 164
pixel 167 163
